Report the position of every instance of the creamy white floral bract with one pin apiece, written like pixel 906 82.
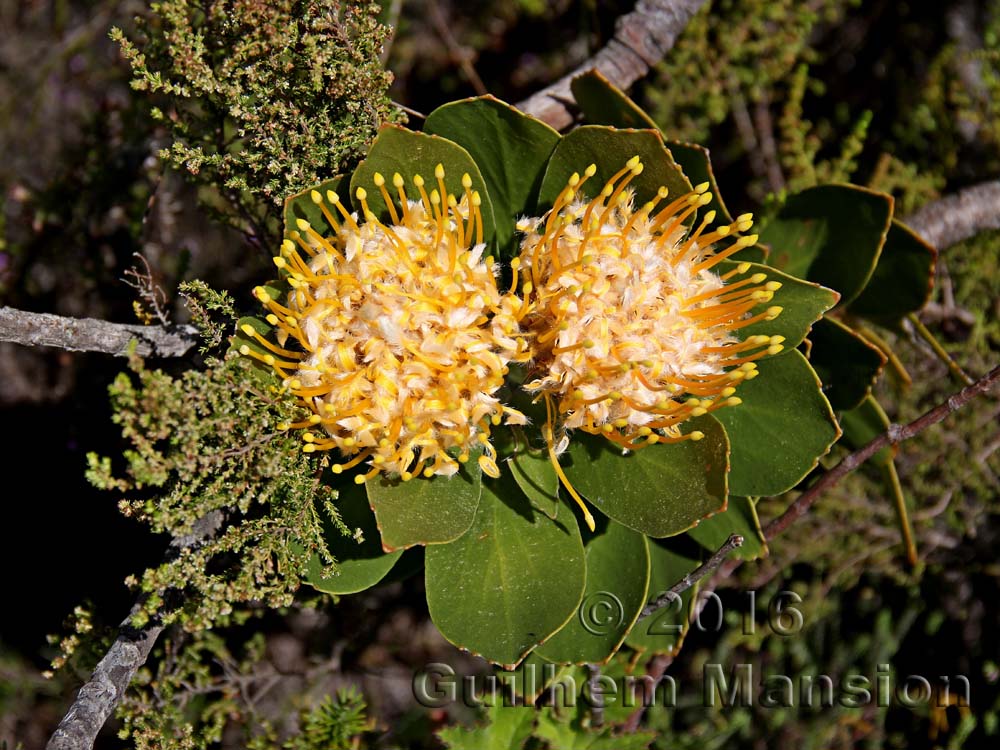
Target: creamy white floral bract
pixel 404 338
pixel 404 334
pixel 632 332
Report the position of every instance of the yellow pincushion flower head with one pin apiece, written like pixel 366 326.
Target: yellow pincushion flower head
pixel 632 330
pixel 403 336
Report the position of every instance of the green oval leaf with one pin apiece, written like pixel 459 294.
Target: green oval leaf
pixel 603 103
pixel 510 582
pixel 903 279
pixel 609 149
pixel 301 205
pixel 847 364
pixel 409 153
pixel 617 579
pixel 830 234
pixel 739 518
pixel 664 630
pixel 359 565
pixel 425 510
pixel 802 303
pixel 659 490
pixel 780 430
pixel 510 148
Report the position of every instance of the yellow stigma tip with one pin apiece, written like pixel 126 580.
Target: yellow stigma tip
pixel 742 268
pixel 308 448
pixel 633 162
pixel 637 169
pixel 337 468
pixel 772 350
pixel 702 187
pixel 248 329
pixel 315 419
pixel 439 171
pixel 244 350
pixel 591 170
pixel 378 179
pixel 727 392
pixel 316 197
pixel 279 261
pixel 758 277
pixel 772 286
pixel 272 319
pixel 696 435
pixel 777 339
pixel 308 437
pixel 418 180
pixel 397 179
pixel 699 411
pixel 774 312
pixel 709 217
pixel 361 194
pixel 332 197
pixel 302 224
pixel 466 181
pixel 359 479
pixel 734 401
pixel 287 246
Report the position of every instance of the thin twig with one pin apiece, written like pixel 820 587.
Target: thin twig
pixel 939 351
pixel 642 38
pixel 455 50
pixel 957 217
pixel 690 579
pixel 894 435
pixel 98 698
pixel 90 335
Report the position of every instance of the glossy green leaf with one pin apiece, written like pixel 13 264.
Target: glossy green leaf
pixel 536 476
pixel 397 149
pixel 863 424
pixel 802 303
pixel 847 364
pixel 510 148
pixel 663 631
pixel 359 566
pixel 510 582
pixel 603 103
pixel 566 735
pixel 739 518
pixel 659 490
pixel 697 166
pixel 617 579
pixel 506 728
pixel 302 206
pixel 240 338
pixel 830 234
pixel 780 430
pixel 903 279
pixel 424 510
pixel 610 149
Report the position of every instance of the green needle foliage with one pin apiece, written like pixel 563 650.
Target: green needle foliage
pixel 262 98
pixel 207 442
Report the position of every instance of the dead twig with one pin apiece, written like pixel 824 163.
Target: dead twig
pixel 642 38
pixel 90 335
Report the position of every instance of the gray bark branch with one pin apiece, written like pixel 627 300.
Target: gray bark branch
pixel 90 335
pixel 642 38
pixel 98 698
pixel 958 217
